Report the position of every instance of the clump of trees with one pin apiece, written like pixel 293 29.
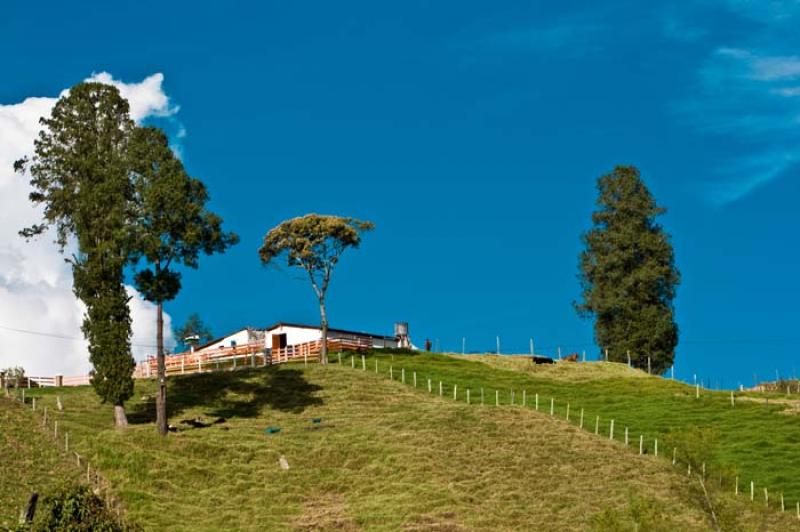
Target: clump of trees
pixel 117 191
pixel 628 274
pixel 314 243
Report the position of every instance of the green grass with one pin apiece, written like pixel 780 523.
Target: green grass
pixel 755 440
pixel 386 456
pixel 30 461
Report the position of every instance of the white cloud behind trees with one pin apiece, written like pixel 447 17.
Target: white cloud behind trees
pixel 40 318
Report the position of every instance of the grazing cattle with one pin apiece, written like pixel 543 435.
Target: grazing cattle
pixel 573 357
pixel 538 359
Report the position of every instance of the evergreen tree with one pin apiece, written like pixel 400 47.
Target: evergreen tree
pixel 79 172
pixel 193 327
pixel 172 227
pixel 628 274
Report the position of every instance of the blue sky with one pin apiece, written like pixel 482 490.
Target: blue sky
pixel 472 135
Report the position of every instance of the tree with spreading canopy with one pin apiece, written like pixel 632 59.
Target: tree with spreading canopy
pixel 314 243
pixel 172 227
pixel 79 173
pixel 628 274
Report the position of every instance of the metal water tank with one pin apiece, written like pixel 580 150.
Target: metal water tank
pixel 401 329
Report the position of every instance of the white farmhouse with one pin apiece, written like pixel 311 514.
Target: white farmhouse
pixel 283 335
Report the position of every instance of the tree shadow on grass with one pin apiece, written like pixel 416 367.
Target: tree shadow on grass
pixel 230 394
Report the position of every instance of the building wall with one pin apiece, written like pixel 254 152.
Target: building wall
pixel 294 335
pixel 242 337
pixel 301 335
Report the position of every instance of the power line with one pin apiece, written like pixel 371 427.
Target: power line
pixel 59 336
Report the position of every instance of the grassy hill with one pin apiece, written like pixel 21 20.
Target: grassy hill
pixel 756 440
pixel 30 461
pixel 385 456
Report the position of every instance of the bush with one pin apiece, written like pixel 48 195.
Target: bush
pixel 76 508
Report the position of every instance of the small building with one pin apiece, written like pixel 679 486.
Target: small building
pixel 282 335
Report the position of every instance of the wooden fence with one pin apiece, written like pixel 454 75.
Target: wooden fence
pixel 222 358
pixel 243 356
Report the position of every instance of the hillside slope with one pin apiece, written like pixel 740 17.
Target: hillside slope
pixel 30 461
pixel 754 440
pixel 380 456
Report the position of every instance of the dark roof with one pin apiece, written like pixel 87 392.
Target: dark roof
pixel 330 329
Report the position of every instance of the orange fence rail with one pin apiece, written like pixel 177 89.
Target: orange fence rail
pixel 246 355
pixel 222 358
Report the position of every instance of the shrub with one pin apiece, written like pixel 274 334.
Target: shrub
pixel 75 508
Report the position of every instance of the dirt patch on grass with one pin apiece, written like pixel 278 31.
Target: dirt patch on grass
pixel 791 406
pixel 325 512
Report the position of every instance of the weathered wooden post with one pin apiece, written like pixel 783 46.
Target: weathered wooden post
pixel 415 379
pixel 611 430
pixel 455 392
pixel 403 375
pixel 581 423
pixel 597 425
pixel 567 416
pixel 364 364
pixel 641 444
pixel 537 402
pixel 467 395
pixel 429 386
pixel 497 397
pixel 552 406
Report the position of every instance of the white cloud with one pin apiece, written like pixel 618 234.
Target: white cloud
pixel 146 98
pixel 35 282
pixel 750 97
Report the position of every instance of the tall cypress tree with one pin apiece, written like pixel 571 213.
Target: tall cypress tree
pixel 628 274
pixel 79 172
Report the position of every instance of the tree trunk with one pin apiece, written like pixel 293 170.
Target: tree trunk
pixel 120 419
pixel 161 397
pixel 323 355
